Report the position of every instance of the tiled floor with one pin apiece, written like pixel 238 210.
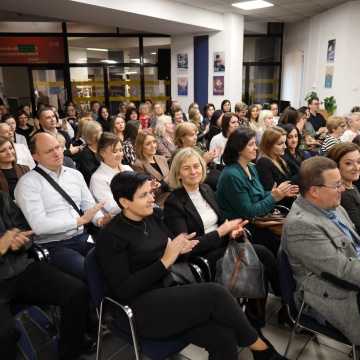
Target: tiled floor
pixel 325 349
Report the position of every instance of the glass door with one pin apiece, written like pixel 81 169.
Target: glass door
pixel 49 89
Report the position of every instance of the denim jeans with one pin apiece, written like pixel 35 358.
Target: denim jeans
pixel 69 255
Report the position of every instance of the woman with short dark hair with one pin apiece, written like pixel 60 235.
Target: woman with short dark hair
pixel 110 152
pixel 135 254
pixel 240 193
pixel 229 124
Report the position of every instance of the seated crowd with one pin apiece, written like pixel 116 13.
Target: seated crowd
pixel 150 187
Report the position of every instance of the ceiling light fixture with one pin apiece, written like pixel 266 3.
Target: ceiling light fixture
pixel 97 49
pixel 252 5
pixel 109 61
pixel 153 53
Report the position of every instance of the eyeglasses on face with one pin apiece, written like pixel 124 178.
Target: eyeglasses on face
pixel 336 186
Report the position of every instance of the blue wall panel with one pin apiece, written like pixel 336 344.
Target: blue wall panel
pixel 201 70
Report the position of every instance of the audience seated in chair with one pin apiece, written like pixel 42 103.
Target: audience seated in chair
pixel 10 172
pixel 134 253
pixel 111 154
pixel 164 132
pixel 270 165
pixel 336 126
pixel 55 223
pixel 192 208
pixel 323 246
pixel 87 161
pixel 18 138
pixel 347 157
pixel 154 165
pixel 240 193
pixel 229 124
pixel 23 155
pixel 25 281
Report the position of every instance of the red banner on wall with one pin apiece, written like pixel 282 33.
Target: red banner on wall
pixel 31 50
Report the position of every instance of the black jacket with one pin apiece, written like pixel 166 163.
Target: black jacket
pixel 181 216
pixel 87 163
pixel 12 263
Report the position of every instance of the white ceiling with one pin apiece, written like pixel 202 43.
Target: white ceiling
pixel 283 10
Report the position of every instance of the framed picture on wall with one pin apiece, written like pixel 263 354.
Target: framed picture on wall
pixel 219 61
pixel 330 56
pixel 182 86
pixel 218 85
pixel 182 61
pixel 329 76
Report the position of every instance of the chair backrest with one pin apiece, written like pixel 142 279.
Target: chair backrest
pixel 287 281
pixel 94 278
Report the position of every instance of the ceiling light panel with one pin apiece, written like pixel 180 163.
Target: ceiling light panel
pixel 252 5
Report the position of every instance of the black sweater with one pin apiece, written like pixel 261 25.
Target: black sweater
pixel 350 201
pixel 129 253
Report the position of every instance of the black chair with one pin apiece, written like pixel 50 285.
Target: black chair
pixel 154 349
pixel 298 318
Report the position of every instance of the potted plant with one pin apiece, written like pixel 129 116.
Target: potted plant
pixel 330 105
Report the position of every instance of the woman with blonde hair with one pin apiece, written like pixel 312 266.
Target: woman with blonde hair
pixel 271 166
pixel 192 208
pixel 186 136
pixel 336 126
pixel 164 132
pixel 87 160
pixel 78 140
pixel 154 165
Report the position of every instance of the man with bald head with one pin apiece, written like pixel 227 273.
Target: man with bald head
pixel 55 222
pixel 23 156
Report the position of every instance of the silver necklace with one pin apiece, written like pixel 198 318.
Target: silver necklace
pixel 145 231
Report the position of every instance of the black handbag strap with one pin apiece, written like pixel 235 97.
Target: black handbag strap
pixel 59 189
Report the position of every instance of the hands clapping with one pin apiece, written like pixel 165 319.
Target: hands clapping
pixel 182 244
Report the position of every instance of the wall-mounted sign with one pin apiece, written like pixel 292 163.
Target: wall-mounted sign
pixel 31 50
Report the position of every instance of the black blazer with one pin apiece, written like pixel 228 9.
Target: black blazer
pixel 87 163
pixel 181 216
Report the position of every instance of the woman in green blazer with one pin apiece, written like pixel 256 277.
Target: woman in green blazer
pixel 240 193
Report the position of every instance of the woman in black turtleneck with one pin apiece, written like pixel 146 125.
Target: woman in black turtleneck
pixel 134 252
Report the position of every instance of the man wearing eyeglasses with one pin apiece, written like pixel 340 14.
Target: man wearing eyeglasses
pixel 317 120
pixel 324 249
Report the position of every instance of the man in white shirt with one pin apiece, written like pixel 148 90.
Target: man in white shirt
pixel 56 224
pixel 23 156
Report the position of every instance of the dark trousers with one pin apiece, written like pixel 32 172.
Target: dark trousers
pixel 40 284
pixel 205 314
pixel 69 255
pixel 265 237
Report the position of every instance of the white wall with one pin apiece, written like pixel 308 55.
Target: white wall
pixel 181 45
pixel 230 41
pixel 311 37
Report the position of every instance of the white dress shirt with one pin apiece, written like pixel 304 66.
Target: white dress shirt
pixel 23 155
pixel 218 142
pixel 49 215
pixel 100 186
pixel 20 139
